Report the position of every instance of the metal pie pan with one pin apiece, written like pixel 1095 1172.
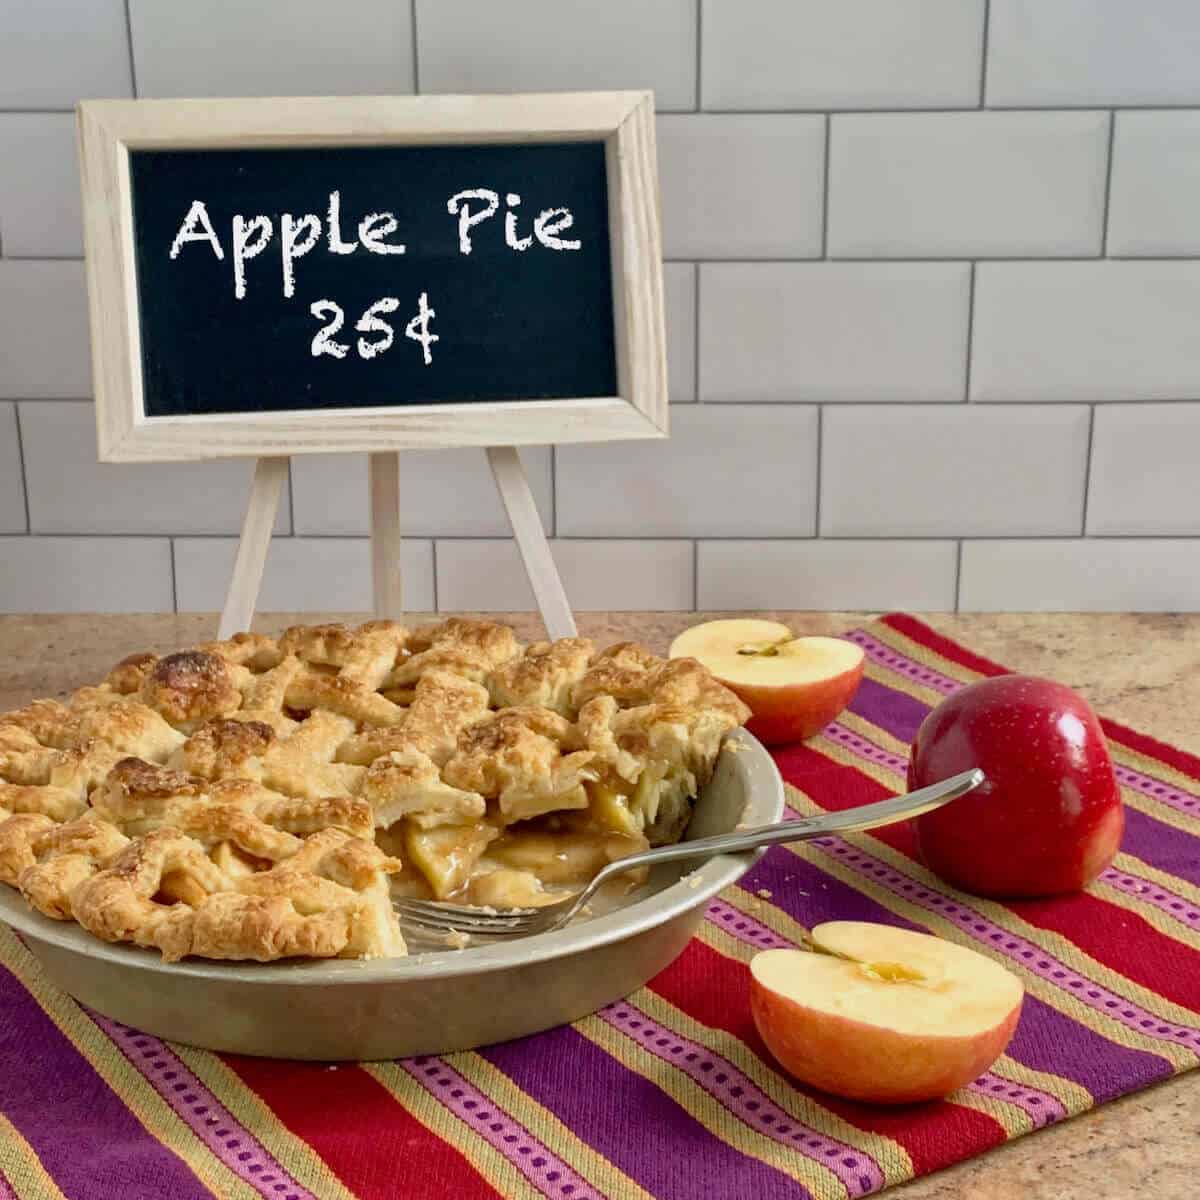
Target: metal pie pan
pixel 428 1003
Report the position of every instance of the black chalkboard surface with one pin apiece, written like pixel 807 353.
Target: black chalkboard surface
pixel 502 294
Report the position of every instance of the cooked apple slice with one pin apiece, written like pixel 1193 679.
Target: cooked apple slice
pixel 883 1014
pixel 794 685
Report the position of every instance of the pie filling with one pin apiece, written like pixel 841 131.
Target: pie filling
pixel 264 799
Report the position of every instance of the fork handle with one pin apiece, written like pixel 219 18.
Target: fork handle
pixel 866 816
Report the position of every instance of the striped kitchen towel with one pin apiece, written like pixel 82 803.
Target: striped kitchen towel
pixel 668 1093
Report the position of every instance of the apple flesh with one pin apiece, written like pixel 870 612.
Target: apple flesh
pixel 1048 818
pixel 884 1015
pixel 794 686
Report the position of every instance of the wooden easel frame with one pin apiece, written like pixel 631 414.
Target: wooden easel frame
pixel 110 129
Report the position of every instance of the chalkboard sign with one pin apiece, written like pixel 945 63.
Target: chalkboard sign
pixel 280 276
pixel 372 276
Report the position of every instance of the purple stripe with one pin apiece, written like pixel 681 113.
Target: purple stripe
pixel 1029 955
pixel 1050 1041
pixel 738 1093
pixel 894 711
pixel 746 929
pixel 550 1175
pixel 1041 1107
pixel 670 1149
pixel 1173 905
pixel 883 654
pixel 864 748
pixel 202 1112
pixel 1166 793
pixel 87 1139
pixel 1162 846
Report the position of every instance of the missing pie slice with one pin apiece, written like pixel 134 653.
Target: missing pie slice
pixel 264 799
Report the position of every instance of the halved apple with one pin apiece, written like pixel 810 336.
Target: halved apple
pixel 794 685
pixel 883 1014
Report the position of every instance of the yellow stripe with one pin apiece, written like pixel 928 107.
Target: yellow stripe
pixel 1143 870
pixel 763 910
pixel 1155 768
pixel 1015 1122
pixel 1159 811
pixel 901 683
pixel 22 1168
pixel 715 1118
pixel 1178 1056
pixel 501 1174
pixel 873 733
pixel 158 1118
pixel 890 1155
pixel 300 1160
pixel 922 654
pixel 1075 1097
pixel 563 1143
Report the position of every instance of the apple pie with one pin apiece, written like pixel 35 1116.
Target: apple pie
pixel 264 798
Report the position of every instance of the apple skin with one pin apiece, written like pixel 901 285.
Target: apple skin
pixel 791 714
pixel 1048 818
pixel 865 1062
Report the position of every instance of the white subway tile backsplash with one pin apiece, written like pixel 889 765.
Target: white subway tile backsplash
pixel 1154 207
pixel 1093 52
pixel 54 52
pixel 487 576
pixel 12 482
pixel 559 45
pixel 952 472
pixel 1086 331
pixel 679 301
pixel 833 331
pixel 43 330
pixel 306 47
pixel 1082 575
pixel 71 492
pixel 443 493
pixel 726 471
pixel 776 54
pixel 1145 476
pixel 822 574
pixel 68 574
pixel 956 185
pixel 301 574
pixel 741 186
pixel 39 186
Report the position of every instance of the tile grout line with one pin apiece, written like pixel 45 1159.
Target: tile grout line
pixel 1108 174
pixel 433 545
pixel 820 456
pixel 696 331
pixel 1087 469
pixel 24 468
pixel 174 579
pixel 554 491
pixel 291 501
pixel 129 43
pixel 699 52
pixel 958 575
pixel 695 574
pixel 416 63
pixel 983 58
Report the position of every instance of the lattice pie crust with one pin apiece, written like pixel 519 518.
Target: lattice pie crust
pixel 263 799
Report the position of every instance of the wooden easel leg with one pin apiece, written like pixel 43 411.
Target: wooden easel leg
pixel 531 541
pixel 269 474
pixel 384 471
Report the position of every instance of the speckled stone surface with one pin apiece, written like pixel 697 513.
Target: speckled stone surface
pixel 1142 669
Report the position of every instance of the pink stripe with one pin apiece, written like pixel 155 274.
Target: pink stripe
pixel 550 1175
pixel 1175 906
pixel 1041 1107
pixel 202 1112
pixel 885 656
pixel 1024 953
pixel 1172 797
pixel 746 929
pixel 7 1191
pixel 860 746
pixel 736 1092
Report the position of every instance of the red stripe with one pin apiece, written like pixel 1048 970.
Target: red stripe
pixel 1189 764
pixel 374 1145
pixel 932 640
pixel 1108 932
pixel 715 992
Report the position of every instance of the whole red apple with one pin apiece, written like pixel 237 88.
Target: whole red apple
pixel 1048 818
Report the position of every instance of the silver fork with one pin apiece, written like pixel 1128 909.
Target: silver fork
pixel 430 919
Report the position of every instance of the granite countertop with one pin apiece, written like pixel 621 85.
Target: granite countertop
pixel 1143 670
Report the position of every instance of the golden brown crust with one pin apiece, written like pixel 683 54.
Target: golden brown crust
pixel 257 799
